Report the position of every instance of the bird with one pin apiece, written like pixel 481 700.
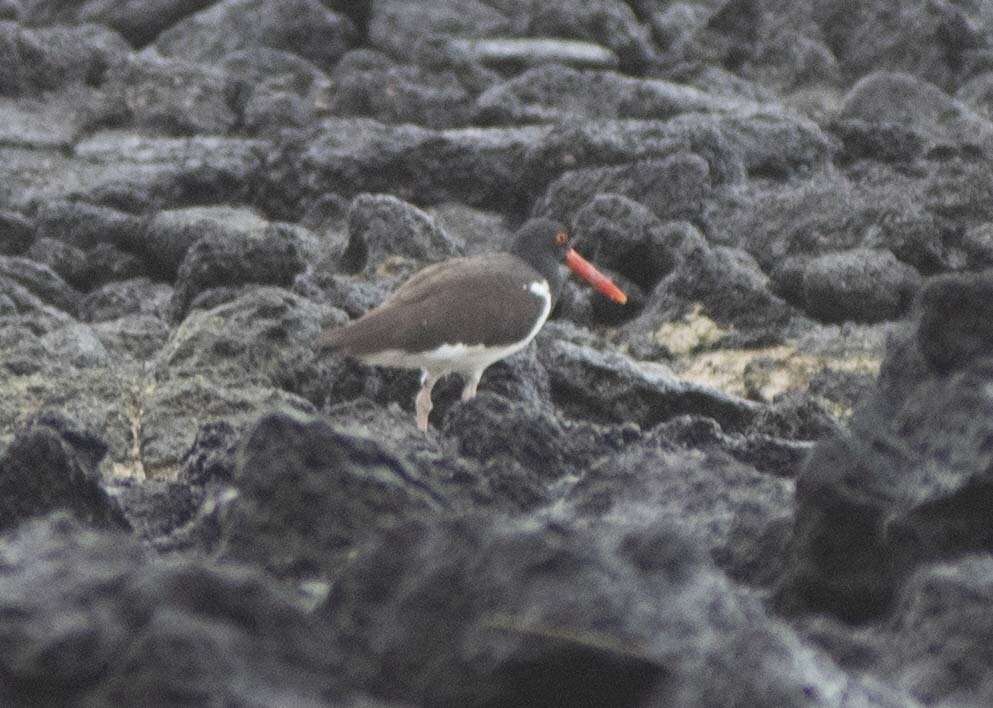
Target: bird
pixel 463 314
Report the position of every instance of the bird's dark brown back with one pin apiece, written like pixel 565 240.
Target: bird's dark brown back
pixel 480 300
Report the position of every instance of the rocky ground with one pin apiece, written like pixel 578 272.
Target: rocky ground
pixel 767 480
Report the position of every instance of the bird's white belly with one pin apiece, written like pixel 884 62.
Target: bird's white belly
pixel 463 358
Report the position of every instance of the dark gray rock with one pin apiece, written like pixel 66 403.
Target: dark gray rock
pixel 94 620
pixel 16 233
pixel 736 513
pixel 350 156
pixel 308 495
pixel 548 613
pixel 907 101
pixel 381 226
pixel 138 296
pixel 607 22
pixel 938 42
pixel 367 83
pixel 673 188
pixel 276 90
pixel 46 59
pixel 938 640
pixel 272 258
pixel 172 96
pixel 832 213
pixel 40 280
pixel 908 483
pixel 137 337
pixel 140 21
pixel 304 27
pixel 723 284
pixel 249 339
pixel 404 30
pixel 85 225
pixel 606 387
pixel 494 430
pixel 52 464
pixel 554 93
pixel 167 236
pixel 769 454
pixel 953 332
pixel 977 93
pixel 510 54
pixel 866 285
pixel 86 270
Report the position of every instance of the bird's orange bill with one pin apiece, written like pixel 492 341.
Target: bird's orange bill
pixel 585 270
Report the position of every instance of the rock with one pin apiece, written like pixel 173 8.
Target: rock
pixel 938 638
pixel 16 234
pixel 367 83
pixel 271 258
pixel 606 387
pixel 866 285
pixel 249 339
pixel 308 495
pixel 66 261
pixel 95 620
pixel 86 226
pixel 52 464
pixel 480 231
pixel 503 52
pixel 173 96
pixel 724 285
pixel 169 234
pixel 304 27
pixel 137 296
pixel 769 454
pixel 41 281
pixel 905 484
pixel 174 409
pixel 349 156
pixel 893 97
pixel 86 270
pixel 977 93
pixel 137 20
pixel 623 236
pixel 542 612
pixel 276 90
pixel 673 188
pixel 607 22
pixel 402 29
pixel 131 172
pixel 733 511
pixel 953 332
pixel 211 459
pixel 555 93
pixel 544 446
pixel 49 58
pixel 136 336
pixel 936 42
pixel 827 214
pixel 381 226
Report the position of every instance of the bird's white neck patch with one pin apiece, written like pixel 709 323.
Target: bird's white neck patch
pixel 540 288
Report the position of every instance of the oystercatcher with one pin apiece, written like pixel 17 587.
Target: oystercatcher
pixel 463 314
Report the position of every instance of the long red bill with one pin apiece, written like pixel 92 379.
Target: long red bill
pixel 585 270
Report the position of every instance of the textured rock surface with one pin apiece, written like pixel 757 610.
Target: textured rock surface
pixel 765 480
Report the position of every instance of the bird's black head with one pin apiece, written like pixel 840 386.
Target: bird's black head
pixel 542 244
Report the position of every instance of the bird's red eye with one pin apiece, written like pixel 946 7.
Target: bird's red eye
pixel 561 238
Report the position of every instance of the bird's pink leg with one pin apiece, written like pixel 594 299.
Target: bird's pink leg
pixel 471 381
pixel 423 401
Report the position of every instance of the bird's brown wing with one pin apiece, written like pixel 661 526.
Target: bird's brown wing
pixel 481 300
